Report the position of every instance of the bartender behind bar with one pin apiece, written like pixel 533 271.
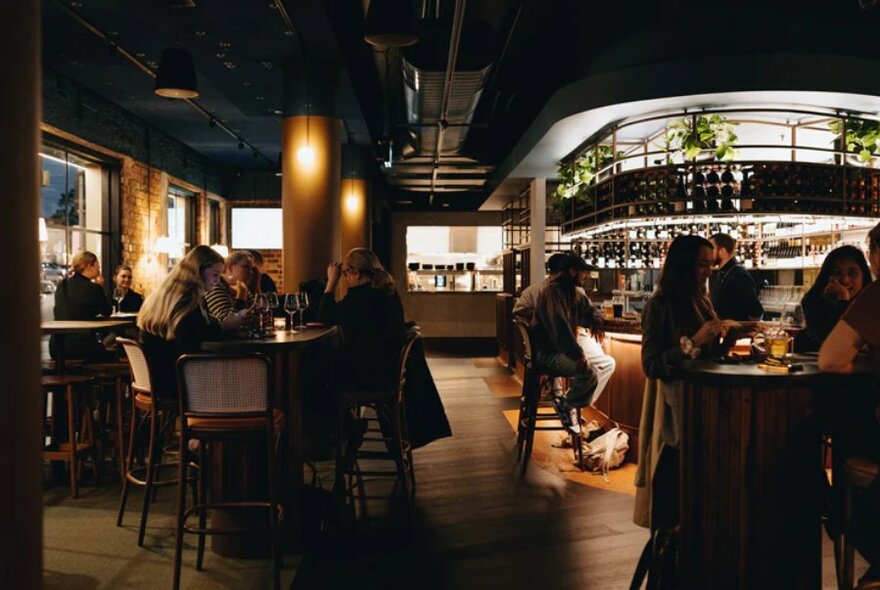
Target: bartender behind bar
pixel 732 289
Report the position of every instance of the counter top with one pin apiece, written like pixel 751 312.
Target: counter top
pixel 622 337
pixel 747 371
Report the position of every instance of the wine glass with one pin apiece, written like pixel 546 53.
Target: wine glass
pixel 793 320
pixel 261 306
pixel 303 304
pixel 118 296
pixel 272 300
pixel 291 306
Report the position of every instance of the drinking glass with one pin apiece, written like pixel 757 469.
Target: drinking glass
pixel 272 300
pixel 303 305
pixel 118 296
pixel 291 306
pixel 793 320
pixel 261 306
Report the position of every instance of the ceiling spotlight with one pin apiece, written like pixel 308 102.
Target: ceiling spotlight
pixel 240 145
pixel 212 122
pixel 390 23
pixel 279 166
pixel 177 75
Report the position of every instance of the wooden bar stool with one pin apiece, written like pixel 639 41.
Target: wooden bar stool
pixel 227 398
pixel 146 406
pixel 396 441
pixel 116 375
pixel 534 382
pixel 80 440
pixel 853 474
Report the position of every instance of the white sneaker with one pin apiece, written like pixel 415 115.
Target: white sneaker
pixel 574 423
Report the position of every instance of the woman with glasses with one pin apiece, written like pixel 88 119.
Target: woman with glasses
pixel 370 316
pixel 843 276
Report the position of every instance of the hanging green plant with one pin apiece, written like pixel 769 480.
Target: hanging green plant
pixel 862 137
pixel 710 132
pixel 576 175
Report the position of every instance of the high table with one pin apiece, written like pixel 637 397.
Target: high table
pixel 61 328
pixel 751 469
pixel 237 474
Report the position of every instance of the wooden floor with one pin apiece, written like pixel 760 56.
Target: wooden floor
pixel 477 525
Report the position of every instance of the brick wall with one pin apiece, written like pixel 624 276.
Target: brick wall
pixel 143 216
pixel 272 266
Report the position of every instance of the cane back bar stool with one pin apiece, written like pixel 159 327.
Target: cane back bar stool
pixel 80 438
pixel 397 441
pixel 535 380
pixel 157 410
pixel 852 474
pixel 227 398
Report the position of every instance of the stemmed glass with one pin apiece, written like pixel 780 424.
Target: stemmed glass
pixel 261 306
pixel 792 320
pixel 291 306
pixel 302 299
pixel 118 296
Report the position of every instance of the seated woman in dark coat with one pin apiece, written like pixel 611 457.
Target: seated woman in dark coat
pixel 80 297
pixel 371 318
pixel 373 331
pixel 174 318
pixel 843 276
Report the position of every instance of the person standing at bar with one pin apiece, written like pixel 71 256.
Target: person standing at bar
pixel 560 309
pixel 678 323
pixel 731 288
pixel 860 326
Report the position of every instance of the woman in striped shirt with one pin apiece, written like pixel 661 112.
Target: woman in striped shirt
pixel 231 294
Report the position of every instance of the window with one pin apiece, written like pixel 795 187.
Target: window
pixel 74 207
pixel 181 222
pixel 256 229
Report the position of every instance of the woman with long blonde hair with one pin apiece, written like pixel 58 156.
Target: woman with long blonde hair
pixel 174 320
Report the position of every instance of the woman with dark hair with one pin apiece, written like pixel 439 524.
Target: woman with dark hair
pixel 859 433
pixel 678 323
pixel 843 276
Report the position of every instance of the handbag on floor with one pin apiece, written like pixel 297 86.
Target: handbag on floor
pixel 606 452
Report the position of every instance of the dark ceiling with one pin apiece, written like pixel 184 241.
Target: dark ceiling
pixel 239 48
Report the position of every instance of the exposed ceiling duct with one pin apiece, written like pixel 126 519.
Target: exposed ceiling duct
pixel 423 92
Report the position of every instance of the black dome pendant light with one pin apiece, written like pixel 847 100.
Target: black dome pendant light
pixel 177 75
pixel 390 23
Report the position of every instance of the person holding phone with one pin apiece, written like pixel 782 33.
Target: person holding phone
pixel 230 302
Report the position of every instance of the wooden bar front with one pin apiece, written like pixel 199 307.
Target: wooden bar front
pixel 751 477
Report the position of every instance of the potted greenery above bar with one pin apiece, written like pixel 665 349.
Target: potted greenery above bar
pixel 862 137
pixel 691 135
pixel 575 176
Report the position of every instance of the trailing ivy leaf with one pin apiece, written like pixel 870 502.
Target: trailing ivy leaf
pixel 865 156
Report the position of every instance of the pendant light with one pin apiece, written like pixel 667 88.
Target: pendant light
pixel 390 23
pixel 177 75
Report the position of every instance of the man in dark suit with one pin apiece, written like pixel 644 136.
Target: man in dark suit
pixel 732 289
